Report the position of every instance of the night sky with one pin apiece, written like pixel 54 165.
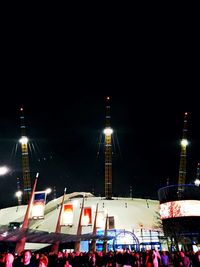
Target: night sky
pixel 66 143
pixel 61 75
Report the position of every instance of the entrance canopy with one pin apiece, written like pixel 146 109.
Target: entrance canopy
pixel 35 236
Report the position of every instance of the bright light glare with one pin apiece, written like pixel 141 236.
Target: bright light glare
pixel 197 182
pixel 184 142
pixel 18 194
pixel 3 170
pixel 108 131
pixel 23 140
pixel 48 190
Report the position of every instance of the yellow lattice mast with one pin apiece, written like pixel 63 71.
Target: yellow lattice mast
pixel 25 159
pixel 182 166
pixel 108 152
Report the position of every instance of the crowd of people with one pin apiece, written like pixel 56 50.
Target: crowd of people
pixel 125 258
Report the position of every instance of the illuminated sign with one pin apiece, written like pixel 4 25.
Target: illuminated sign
pixel 67 215
pixel 87 216
pixel 181 208
pixel 100 219
pixel 37 211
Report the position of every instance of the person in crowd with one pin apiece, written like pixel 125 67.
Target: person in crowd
pixel 156 258
pixel 119 259
pixel 137 260
pixel 127 258
pixel 92 260
pixel 36 258
pixel 185 261
pixel 25 260
pixel 197 259
pixel 66 264
pixel 164 259
pixel 8 260
pixel 149 258
pixel 43 261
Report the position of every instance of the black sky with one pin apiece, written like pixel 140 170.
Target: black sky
pixel 67 143
pixel 62 77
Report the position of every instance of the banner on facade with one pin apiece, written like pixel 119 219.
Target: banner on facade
pixel 101 219
pixel 67 215
pixel 111 222
pixel 39 200
pixel 87 216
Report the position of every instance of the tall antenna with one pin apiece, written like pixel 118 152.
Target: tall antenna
pixel 198 171
pixel 19 192
pixel 108 152
pixel 182 166
pixel 54 192
pixel 25 159
pixel 131 191
pixel 197 180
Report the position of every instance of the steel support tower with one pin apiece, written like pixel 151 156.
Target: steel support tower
pixel 25 160
pixel 198 171
pixel 108 152
pixel 182 166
